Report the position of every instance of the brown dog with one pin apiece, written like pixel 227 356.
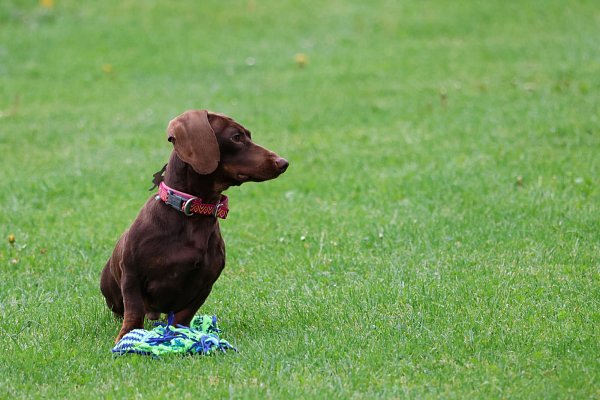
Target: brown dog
pixel 170 257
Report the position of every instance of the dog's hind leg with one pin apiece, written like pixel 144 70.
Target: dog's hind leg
pixel 111 291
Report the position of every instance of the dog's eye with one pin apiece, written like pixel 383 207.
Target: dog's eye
pixel 237 138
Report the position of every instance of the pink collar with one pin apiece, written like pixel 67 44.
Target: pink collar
pixel 190 205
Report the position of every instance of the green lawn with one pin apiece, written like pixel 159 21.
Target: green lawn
pixel 436 236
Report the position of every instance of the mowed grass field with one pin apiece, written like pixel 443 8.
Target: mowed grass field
pixel 436 236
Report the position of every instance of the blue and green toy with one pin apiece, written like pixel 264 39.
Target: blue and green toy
pixel 201 337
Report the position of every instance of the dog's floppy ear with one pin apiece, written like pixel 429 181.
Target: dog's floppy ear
pixel 194 141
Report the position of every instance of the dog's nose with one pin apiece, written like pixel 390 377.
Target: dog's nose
pixel 282 164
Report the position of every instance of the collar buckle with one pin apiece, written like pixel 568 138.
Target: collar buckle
pixel 174 200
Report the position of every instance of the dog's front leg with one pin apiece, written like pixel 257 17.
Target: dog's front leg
pixel 133 317
pixel 185 316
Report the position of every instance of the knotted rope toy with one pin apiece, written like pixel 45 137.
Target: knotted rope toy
pixel 201 337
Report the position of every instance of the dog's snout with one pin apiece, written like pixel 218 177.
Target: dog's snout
pixel 282 164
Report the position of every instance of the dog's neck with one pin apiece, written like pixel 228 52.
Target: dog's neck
pixel 181 176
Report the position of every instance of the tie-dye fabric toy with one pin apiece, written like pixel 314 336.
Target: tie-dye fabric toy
pixel 201 337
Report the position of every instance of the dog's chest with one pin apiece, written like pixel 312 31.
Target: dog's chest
pixel 184 271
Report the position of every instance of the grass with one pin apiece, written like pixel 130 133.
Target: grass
pixel 436 236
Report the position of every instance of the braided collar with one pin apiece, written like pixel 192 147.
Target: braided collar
pixel 190 205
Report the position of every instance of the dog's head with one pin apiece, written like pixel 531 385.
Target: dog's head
pixel 214 144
